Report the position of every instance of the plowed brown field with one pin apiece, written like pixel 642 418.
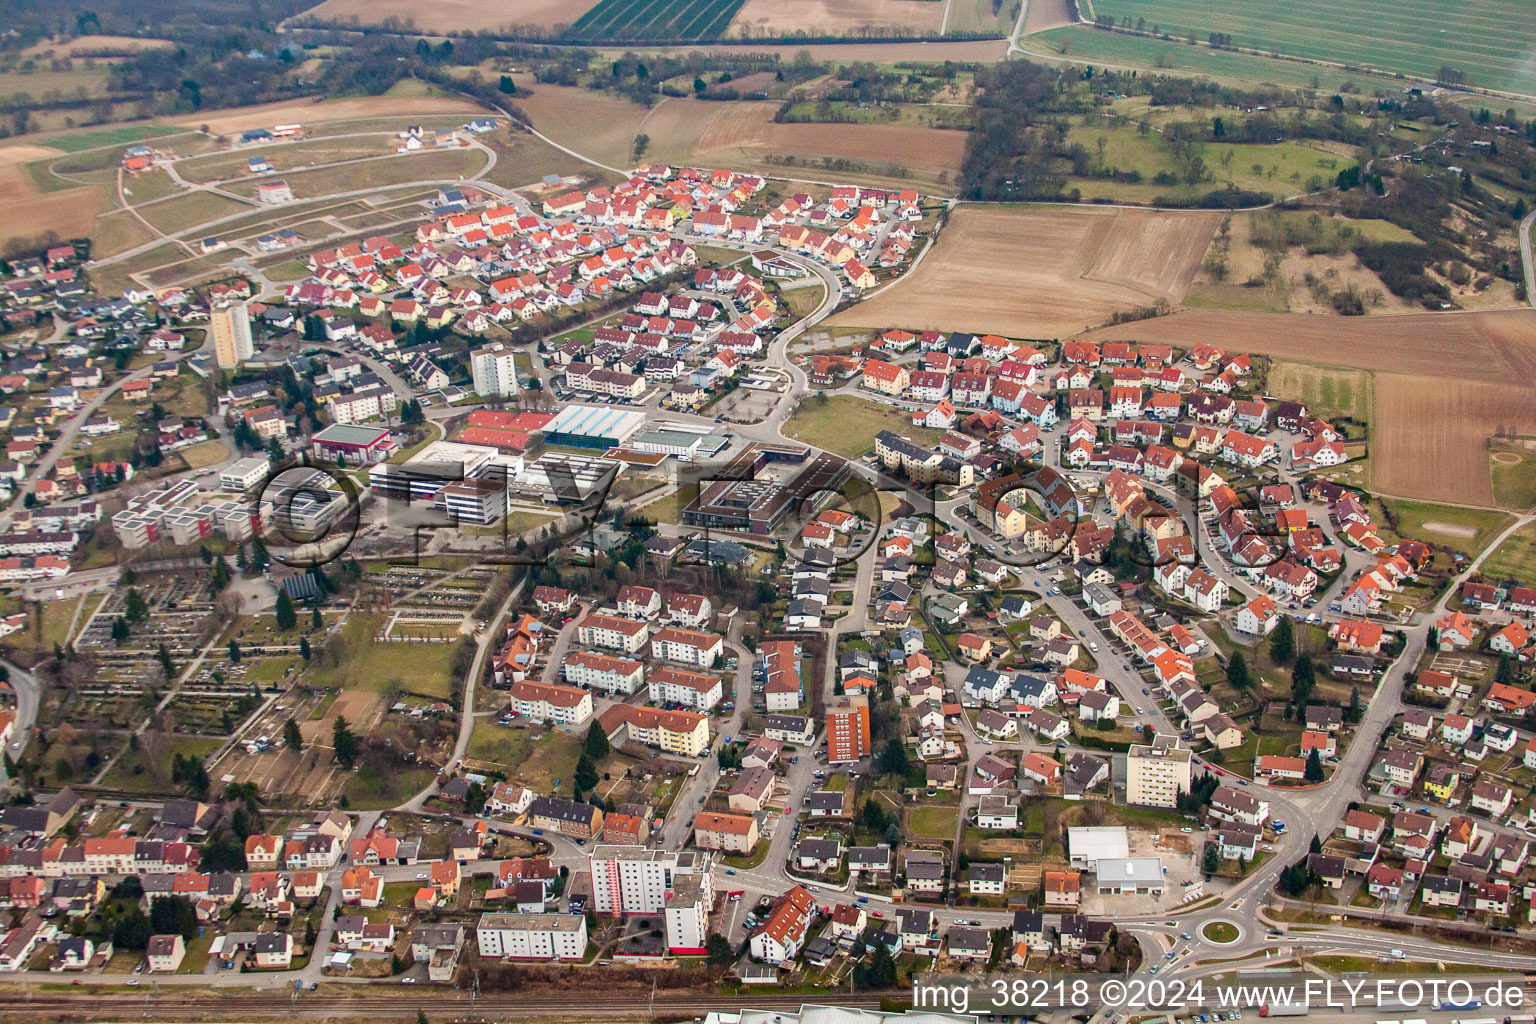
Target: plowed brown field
pixel 748 129
pixel 837 17
pixel 1446 382
pixel 455 15
pixel 1041 273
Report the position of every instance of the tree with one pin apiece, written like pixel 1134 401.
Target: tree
pixel 344 741
pixel 234 651
pixel 220 577
pixel 596 743
pixel 717 949
pixel 316 620
pixel 292 738
pixel 120 630
pixel 247 793
pixel 506 87
pixel 893 757
pixel 871 816
pixel 893 832
pixel 1237 672
pixel 1353 713
pixel 1314 770
pixel 474 798
pixel 163 655
pixel 1212 860
pixel 134 606
pixel 304 651
pixel 1505 673
pixel 286 617
pixel 1282 642
pixel 171 915
pixel 585 776
pixel 1302 681
pixel 1316 846
pixel 132 931
pixel 882 970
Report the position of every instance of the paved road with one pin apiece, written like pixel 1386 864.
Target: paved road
pixel 1526 262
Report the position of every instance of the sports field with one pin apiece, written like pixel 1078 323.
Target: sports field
pixel 1487 40
pixel 659 21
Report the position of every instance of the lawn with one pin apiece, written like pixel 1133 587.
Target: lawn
pixel 201 456
pixel 112 137
pixel 367 664
pixel 537 764
pixel 189 211
pixel 1328 391
pixel 847 424
pixel 1514 479
pixel 932 822
pixel 131 773
pixel 1219 931
pixel 1515 559
pixel 115 232
pixel 1464 529
pixel 1082 43
pixel 1486 39
pixel 434 165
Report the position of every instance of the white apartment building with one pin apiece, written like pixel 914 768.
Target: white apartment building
pixel 639 880
pixel 687 646
pixel 612 632
pixel 532 936
pixel 604 672
pixel 544 702
pixel 691 689
pixel 1155 775
pixel 494 371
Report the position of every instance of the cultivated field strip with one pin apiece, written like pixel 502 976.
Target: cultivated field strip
pixel 1489 40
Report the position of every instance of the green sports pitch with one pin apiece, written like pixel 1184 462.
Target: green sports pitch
pixel 1491 42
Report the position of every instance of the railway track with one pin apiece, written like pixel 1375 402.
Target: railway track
pixel 397 1004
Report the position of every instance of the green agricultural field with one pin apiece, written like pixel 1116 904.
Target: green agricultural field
pixel 1463 529
pixel 189 211
pixel 661 21
pixel 1082 43
pixel 1486 40
pixel 1514 479
pixel 1328 391
pixel 1515 559
pixel 846 425
pixel 125 135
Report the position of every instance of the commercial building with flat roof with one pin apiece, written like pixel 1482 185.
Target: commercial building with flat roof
pixel 1130 876
pixel 243 474
pixel 353 446
pixel 1089 844
pixel 680 444
pixel 431 469
pixel 593 426
pixel 231 330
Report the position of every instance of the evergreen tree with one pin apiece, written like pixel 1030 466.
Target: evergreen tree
pixel 120 630
pixel 1353 713
pixel 286 617
pixel 163 655
pixel 220 576
pixel 344 741
pixel 1314 770
pixel 234 651
pixel 304 651
pixel 135 608
pixel 596 743
pixel 1282 642
pixel 585 777
pixel 718 949
pixel 316 620
pixel 1237 672
pixel 1505 673
pixel 293 739
pixel 1212 859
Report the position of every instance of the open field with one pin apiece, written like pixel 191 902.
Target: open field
pixel 287 158
pixel 380 666
pixel 1468 530
pixel 189 210
pixel 1328 391
pixel 386 171
pixel 746 131
pixel 681 20
pixel 1487 39
pixel 82 45
pixel 1514 477
pixel 1090 45
pixel 593 123
pixel 1514 559
pixel 984 50
pixel 847 425
pixel 265 115
pixel 837 17
pixel 1449 386
pixel 1041 272
pixel 26 213
pixel 736 134
pixel 1046 14
pixel 453 15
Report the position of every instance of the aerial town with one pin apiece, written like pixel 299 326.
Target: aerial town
pixel 629 569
